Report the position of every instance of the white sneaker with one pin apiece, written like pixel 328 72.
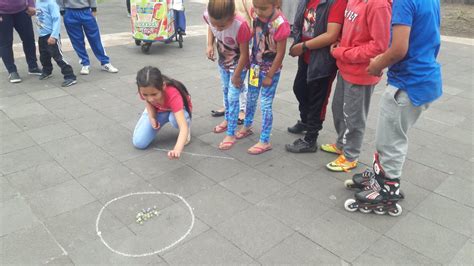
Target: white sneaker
pixel 85 70
pixel 109 68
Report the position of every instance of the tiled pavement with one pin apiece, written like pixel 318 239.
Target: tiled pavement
pixel 67 152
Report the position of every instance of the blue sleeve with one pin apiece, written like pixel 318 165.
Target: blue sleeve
pixel 403 12
pixel 55 19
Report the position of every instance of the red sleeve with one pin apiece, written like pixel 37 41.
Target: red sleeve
pixel 244 35
pixel 336 14
pixel 282 32
pixel 174 99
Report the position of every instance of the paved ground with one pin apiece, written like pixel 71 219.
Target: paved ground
pixel 67 152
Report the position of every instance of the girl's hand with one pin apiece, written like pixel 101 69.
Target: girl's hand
pixel 267 82
pixel 374 69
pixel 174 154
pixel 210 53
pixel 236 80
pixel 296 50
pixel 154 123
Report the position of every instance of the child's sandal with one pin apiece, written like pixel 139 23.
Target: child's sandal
pixel 243 134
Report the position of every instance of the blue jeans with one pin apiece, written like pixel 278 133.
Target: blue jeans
pixel 266 102
pixel 78 22
pixel 144 133
pixel 231 98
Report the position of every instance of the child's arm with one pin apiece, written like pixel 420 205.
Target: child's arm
pixel 281 48
pixel 151 110
pixel 182 136
pixel 55 17
pixel 243 61
pixel 323 40
pixel 396 52
pixel 379 29
pixel 210 44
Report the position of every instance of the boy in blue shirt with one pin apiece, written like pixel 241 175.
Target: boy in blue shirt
pixel 414 81
pixel 49 27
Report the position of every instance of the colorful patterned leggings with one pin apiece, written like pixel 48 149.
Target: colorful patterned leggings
pixel 266 101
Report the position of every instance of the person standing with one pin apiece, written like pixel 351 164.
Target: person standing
pixel 17 14
pixel 79 18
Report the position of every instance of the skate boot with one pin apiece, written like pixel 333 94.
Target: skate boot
pixel 381 196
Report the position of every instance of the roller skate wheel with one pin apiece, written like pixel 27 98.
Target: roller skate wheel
pixel 379 211
pixel 349 183
pixel 365 209
pixel 396 212
pixel 350 205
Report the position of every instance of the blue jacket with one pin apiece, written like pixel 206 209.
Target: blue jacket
pixel 48 18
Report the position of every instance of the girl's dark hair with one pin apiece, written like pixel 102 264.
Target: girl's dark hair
pixel 221 9
pixel 151 77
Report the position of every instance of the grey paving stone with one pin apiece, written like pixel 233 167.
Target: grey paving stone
pixel 16 215
pixel 110 180
pixel 51 132
pixel 72 112
pixel 388 252
pixel 7 191
pixel 8 128
pixel 284 169
pixel 216 204
pixel 465 255
pixel 22 159
pixel 25 110
pixel 126 208
pixel 33 246
pixel 78 155
pixel 252 185
pixel 91 123
pixel 103 256
pixel 61 102
pixel 217 169
pixel 183 181
pixel 434 208
pixel 457 189
pixel 115 140
pixel 47 94
pixel 39 177
pixel 327 230
pixel 260 233
pixel 152 164
pixel 323 188
pixel 58 199
pixel 293 208
pixel 16 100
pixel 208 248
pixel 427 238
pixel 14 142
pixel 423 176
pixel 75 228
pixel 299 250
pixel 35 121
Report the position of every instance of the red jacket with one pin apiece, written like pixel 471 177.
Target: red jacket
pixel 366 34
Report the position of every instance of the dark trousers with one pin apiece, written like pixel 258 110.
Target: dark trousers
pixel 53 51
pixel 128 5
pixel 313 99
pixel 23 25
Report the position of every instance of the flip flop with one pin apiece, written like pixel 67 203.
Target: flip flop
pixel 258 150
pixel 240 121
pixel 219 129
pixel 215 113
pixel 226 145
pixel 241 135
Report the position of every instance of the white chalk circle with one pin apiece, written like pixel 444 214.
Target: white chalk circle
pixel 154 252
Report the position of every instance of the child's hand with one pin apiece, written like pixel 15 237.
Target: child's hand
pixel 333 46
pixel 374 69
pixel 236 80
pixel 267 81
pixel 51 41
pixel 296 50
pixel 174 154
pixel 154 124
pixel 210 53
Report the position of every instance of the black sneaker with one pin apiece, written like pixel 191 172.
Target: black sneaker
pixel 301 146
pixel 44 76
pixel 14 77
pixel 35 71
pixel 68 82
pixel 298 128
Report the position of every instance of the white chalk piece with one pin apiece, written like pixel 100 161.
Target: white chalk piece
pixel 99 233
pixel 197 154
